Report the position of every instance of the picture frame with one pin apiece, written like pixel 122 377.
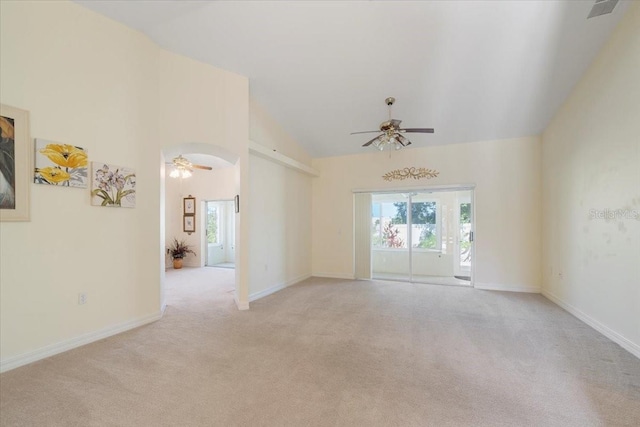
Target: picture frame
pixel 189 205
pixel 113 186
pixel 237 203
pixel 60 164
pixel 189 224
pixel 16 164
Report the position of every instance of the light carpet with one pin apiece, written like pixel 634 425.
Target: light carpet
pixel 336 353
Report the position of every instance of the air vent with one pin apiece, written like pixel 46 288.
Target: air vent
pixel 602 7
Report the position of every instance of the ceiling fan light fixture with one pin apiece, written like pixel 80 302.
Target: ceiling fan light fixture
pixel 391 134
pixel 180 172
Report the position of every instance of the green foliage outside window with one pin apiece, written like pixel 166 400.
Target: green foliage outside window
pixel 423 214
pixel 465 244
pixel 212 225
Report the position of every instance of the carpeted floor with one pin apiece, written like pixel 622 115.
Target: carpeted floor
pixel 336 353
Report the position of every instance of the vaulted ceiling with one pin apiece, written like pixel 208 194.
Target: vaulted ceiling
pixel 473 70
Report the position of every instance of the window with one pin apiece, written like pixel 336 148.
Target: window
pixel 213 224
pixel 389 230
pixel 423 218
pixel 389 223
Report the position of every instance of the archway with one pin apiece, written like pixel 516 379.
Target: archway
pixel 219 158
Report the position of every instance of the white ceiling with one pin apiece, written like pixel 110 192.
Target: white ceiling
pixel 473 70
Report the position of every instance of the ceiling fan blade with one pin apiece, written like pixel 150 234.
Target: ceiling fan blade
pixel 402 140
pixel 366 144
pixel 417 130
pixel 207 168
pixel 366 131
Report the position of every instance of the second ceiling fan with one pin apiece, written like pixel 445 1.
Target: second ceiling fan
pixel 392 135
pixel 183 168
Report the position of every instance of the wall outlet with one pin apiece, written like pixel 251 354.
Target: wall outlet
pixel 82 298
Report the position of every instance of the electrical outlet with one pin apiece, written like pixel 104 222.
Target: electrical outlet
pixel 82 298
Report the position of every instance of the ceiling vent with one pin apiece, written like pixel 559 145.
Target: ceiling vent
pixel 602 7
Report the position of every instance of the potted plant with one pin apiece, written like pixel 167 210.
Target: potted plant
pixel 178 250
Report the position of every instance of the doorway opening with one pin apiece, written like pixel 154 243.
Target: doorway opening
pixel 214 176
pixel 422 236
pixel 219 233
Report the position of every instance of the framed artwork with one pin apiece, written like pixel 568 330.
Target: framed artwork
pixel 15 164
pixel 189 205
pixel 189 224
pixel 59 164
pixel 113 186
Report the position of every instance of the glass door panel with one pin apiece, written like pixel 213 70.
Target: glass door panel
pixel 430 236
pixel 437 237
pixel 464 236
pixel 390 237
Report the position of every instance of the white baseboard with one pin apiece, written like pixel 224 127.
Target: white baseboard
pixel 623 342
pixel 334 276
pixel 60 347
pixel 273 289
pixel 242 305
pixel 507 288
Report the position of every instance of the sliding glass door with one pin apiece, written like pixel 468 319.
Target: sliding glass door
pixel 422 237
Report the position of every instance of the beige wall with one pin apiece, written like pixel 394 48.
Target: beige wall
pixel 507 177
pixel 591 161
pixel 280 247
pixel 280 223
pixel 91 82
pixel 268 133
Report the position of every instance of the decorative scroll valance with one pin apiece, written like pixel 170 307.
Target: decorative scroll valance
pixel 412 172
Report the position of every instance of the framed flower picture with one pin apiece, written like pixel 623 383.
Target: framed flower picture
pixel 15 164
pixel 189 205
pixel 113 186
pixel 59 164
pixel 189 224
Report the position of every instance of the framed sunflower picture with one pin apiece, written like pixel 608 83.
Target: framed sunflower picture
pixel 15 164
pixel 59 164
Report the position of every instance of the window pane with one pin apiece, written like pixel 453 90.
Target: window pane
pixel 424 231
pixel 389 225
pixel 465 233
pixel 212 224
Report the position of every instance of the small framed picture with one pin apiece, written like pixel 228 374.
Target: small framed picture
pixel 189 224
pixel 189 205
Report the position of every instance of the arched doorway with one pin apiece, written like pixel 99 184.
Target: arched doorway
pixel 172 211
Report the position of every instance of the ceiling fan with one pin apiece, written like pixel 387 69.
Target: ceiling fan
pixel 391 132
pixel 183 168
